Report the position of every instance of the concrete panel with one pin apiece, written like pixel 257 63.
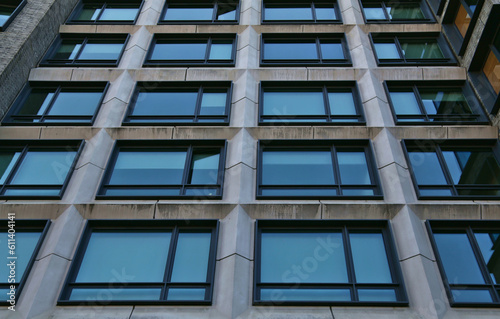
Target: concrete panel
pixel 276 74
pixel 396 184
pixel 279 312
pixel 435 133
pixel 133 133
pixel 186 132
pixel 111 114
pixel 68 132
pixel 242 149
pixel 345 132
pixel 378 113
pixel 473 132
pixel 239 184
pixel 153 75
pixel 442 210
pixel 290 132
pixel 101 74
pixel 444 73
pixel 283 210
pixel 83 184
pixel 192 210
pixel 93 312
pixel 236 235
pixel 50 74
pixel 399 74
pixel 337 74
pixel 33 209
pixel 388 150
pixel 361 210
pixel 121 88
pixel 201 74
pixel 12 132
pixel 77 28
pixel 117 210
pixel 490 210
pixel 244 113
pixel 96 150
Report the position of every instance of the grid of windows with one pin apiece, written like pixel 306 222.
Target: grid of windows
pixel 8 11
pixel 318 11
pixel 396 11
pixel 106 12
pixel 197 12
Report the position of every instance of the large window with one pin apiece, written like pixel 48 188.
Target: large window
pixel 106 12
pixel 143 262
pixel 304 103
pixel 312 11
pixel 491 68
pixel 192 50
pixel 20 241
pixel 326 263
pixel 376 11
pixel 74 103
pixel 411 49
pixel 165 169
pixel 454 169
pixel 468 255
pixel 8 11
pixel 434 102
pixel 459 21
pixel 316 169
pixel 304 50
pixel 36 169
pixel 186 103
pixel 76 49
pixel 195 11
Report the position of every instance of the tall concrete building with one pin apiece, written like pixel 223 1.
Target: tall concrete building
pixel 250 159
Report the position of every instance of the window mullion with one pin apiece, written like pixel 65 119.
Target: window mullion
pixel 420 103
pixel 384 8
pixel 187 169
pixel 84 43
pixel 170 261
pixel 336 169
pixel 15 167
pixel 51 103
pixel 214 13
pixel 350 263
pixel 318 50
pixel 197 108
pixel 400 50
pixel 446 171
pixel 98 18
pixel 208 49
pixel 313 8
pixel 326 104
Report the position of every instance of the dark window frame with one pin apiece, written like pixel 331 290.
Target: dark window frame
pixel 312 145
pixel 58 86
pixel 144 226
pixel 175 87
pixel 326 87
pixel 189 38
pixel 145 145
pixel 394 38
pixel 83 39
pixel 344 226
pixel 20 6
pixel 468 227
pixel 24 225
pixel 467 91
pixel 194 3
pixel 429 17
pixel 26 145
pixel 306 38
pixel 455 145
pixel 79 7
pixel 312 3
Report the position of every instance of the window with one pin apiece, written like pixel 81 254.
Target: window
pixel 106 12
pixel 26 241
pixel 192 50
pixel 460 169
pixel 411 49
pixel 309 102
pixel 326 262
pixel 74 103
pixel 491 68
pixel 304 50
pixel 165 169
pixel 186 103
pixel 36 169
pixel 468 256
pixel 316 169
pixel 75 49
pixel 193 11
pixel 397 12
pixel 165 262
pixel 8 11
pixel 434 102
pixel 320 11
pixel 460 16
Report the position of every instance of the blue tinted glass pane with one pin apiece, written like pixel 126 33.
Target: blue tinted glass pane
pixel 471 295
pixel 32 192
pixel 141 192
pixel 410 11
pixel 303 258
pixel 7 162
pixel 473 167
pixel 293 103
pixel 353 168
pixel 186 294
pixel 101 51
pixel 88 13
pixel 191 257
pixel 205 168
pixel 49 168
pixel 226 11
pixel 288 13
pixel 220 51
pixel 435 192
pixel 374 13
pixel 36 103
pixel 341 103
pixel 427 168
pixel 120 257
pixel 290 51
pixel 165 103
pixel 297 168
pixel 488 243
pixel 281 295
pixel 3 292
pixel 325 14
pixel 67 51
pixel 104 295
pixel 25 243
pixel 422 50
pixel 204 191
pixel 358 192
pixel 213 104
pixel 119 14
pixel 299 192
pixel 331 51
pixel 75 103
pixel 458 259
pixel 179 51
pixel 377 295
pixel 444 102
pixel 370 258
pixel 386 51
pixel 148 168
pixel 405 103
pixel 193 14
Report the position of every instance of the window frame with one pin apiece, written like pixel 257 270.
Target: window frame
pixel 466 89
pixel 187 38
pixel 47 61
pixel 80 6
pixel 176 86
pixel 58 86
pixel 344 226
pixel 394 38
pixel 145 145
pixel 429 17
pixel 194 3
pixel 455 145
pixel 142 225
pixel 468 227
pixel 326 87
pixel 305 38
pixel 25 225
pixel 287 4
pixel 20 6
pixel 26 145
pixel 312 145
